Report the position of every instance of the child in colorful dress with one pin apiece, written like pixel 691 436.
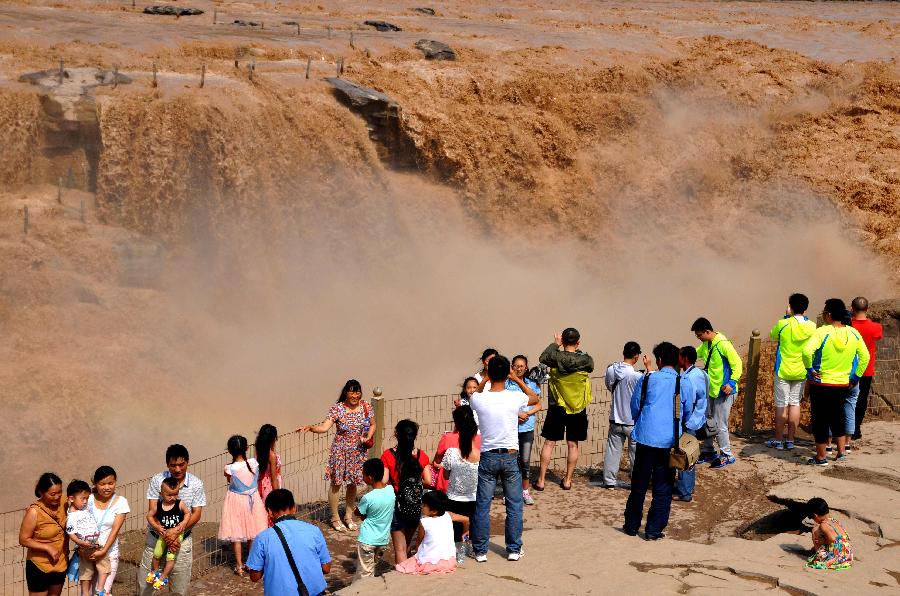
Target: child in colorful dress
pixel 170 511
pixel 436 552
pixel 243 512
pixel 830 540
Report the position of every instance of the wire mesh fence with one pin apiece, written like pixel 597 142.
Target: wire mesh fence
pixel 303 460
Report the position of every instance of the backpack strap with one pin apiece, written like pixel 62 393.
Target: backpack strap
pixel 676 407
pixel 643 392
pixel 301 587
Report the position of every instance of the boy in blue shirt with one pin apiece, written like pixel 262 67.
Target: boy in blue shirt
pixel 305 542
pixel 376 508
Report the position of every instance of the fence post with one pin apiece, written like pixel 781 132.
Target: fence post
pixel 378 405
pixel 25 221
pixel 752 381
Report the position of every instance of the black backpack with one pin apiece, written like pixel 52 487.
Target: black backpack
pixel 409 499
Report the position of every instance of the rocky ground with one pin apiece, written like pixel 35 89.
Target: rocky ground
pixel 741 533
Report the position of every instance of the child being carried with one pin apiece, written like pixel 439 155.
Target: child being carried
pixel 83 530
pixel 170 512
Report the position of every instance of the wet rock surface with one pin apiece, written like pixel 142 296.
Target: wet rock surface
pixel 383 116
pixel 178 11
pixel 382 25
pixel 436 50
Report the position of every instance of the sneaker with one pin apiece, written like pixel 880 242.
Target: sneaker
pixel 779 446
pixel 705 458
pixel 817 462
pixel 724 460
pixel 773 443
pixel 840 457
pixel 515 556
pixel 481 558
pixel 629 532
pixel 829 449
pixel 659 536
pixel 848 448
pixel 682 499
pixel 789 445
pixel 526 496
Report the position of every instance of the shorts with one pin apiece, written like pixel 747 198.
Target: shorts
pixel 788 393
pixel 86 567
pixel 558 424
pixel 827 409
pixel 398 524
pixel 41 581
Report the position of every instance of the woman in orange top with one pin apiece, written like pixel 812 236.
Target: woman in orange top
pixel 43 533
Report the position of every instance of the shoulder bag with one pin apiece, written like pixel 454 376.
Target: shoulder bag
pixel 301 587
pixel 686 450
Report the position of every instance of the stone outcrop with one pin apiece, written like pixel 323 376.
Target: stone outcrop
pixel 383 116
pixel 168 10
pixel 436 50
pixel 382 25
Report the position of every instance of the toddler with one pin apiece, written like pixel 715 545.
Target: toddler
pixel 376 508
pixel 170 512
pixel 830 540
pixel 437 552
pixel 83 530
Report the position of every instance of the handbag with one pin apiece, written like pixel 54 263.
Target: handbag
pixel 686 451
pixel 369 443
pixel 301 587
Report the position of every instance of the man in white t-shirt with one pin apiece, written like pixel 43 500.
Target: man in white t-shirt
pixel 498 416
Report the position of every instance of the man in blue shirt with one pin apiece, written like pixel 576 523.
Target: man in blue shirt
pixel 684 487
pixel 655 435
pixel 269 559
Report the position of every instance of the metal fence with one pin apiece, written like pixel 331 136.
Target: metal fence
pixel 303 459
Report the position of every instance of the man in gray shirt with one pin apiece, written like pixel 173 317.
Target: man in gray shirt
pixel 620 380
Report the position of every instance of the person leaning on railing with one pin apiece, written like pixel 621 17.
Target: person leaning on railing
pixel 43 533
pixel 355 423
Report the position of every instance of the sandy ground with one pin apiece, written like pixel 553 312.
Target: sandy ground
pixel 738 534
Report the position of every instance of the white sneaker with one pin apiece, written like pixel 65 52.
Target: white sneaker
pixel 482 558
pixel 526 497
pixel 516 556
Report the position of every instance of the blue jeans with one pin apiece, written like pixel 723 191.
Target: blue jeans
pixel 651 465
pixel 494 467
pixel 684 486
pixel 850 409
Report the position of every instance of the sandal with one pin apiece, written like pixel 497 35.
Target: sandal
pixel 350 525
pixel 538 488
pixel 239 571
pixel 563 486
pixel 337 526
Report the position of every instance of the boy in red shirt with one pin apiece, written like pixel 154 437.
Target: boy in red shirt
pixel 871 332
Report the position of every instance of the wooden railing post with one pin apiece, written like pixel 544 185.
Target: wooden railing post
pixel 752 382
pixel 378 405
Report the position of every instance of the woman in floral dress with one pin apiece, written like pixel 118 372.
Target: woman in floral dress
pixel 355 423
pixel 830 540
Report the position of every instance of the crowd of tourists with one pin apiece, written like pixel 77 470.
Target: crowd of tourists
pixel 434 513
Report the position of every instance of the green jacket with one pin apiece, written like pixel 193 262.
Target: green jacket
pixel 837 354
pixel 570 383
pixel 723 364
pixel 791 334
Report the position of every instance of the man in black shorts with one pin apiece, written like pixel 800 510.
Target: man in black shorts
pixel 570 394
